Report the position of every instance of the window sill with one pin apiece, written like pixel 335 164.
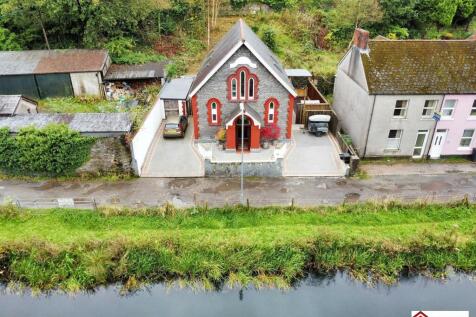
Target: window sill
pixel 464 148
pixel 399 118
pixel 391 150
pixel 447 119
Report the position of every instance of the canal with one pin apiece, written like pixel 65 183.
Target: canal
pixel 337 295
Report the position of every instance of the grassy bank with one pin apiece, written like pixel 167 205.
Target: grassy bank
pixel 73 250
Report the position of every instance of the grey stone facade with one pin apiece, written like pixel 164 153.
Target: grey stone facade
pixel 260 169
pixel 216 87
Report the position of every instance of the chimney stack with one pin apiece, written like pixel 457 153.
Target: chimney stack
pixel 361 39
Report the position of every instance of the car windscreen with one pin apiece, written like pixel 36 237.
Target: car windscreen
pixel 171 126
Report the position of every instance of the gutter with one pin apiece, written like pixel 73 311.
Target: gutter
pixel 370 125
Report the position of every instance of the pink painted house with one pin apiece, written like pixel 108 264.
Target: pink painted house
pixel 455 133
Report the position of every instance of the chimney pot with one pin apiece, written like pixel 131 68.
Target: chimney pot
pixel 361 39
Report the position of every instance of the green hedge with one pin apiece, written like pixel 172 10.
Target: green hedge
pixel 53 150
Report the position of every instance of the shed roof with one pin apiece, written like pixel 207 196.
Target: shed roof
pixel 176 88
pixel 54 61
pixel 297 72
pixel 143 71
pixel 240 34
pixel 8 104
pixel 81 122
pixel 421 67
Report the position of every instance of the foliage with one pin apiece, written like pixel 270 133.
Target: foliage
pixel 123 51
pixel 77 104
pixel 53 150
pixel 355 13
pixel 238 4
pixel 221 135
pixel 8 41
pixel 270 132
pixel 72 249
pixel 269 38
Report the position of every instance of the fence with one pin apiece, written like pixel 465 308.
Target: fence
pixel 79 203
pixel 348 148
pixel 145 136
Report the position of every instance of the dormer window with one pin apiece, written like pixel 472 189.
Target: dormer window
pixel 242 85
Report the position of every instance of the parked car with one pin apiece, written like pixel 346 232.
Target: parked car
pixel 319 124
pixel 175 127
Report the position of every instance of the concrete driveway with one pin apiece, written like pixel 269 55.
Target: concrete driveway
pixel 313 156
pixel 173 157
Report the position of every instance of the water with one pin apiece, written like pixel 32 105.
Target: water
pixel 316 296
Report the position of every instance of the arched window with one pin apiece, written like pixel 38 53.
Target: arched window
pixel 271 112
pixel 251 88
pixel 234 92
pixel 214 111
pixel 242 84
pixel 271 107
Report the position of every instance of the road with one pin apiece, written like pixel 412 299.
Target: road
pixel 184 192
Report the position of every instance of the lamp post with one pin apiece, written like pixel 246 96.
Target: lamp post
pixel 242 108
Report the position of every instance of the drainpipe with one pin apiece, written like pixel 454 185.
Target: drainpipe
pixel 370 125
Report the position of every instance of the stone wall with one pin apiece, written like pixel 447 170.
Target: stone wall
pixel 264 169
pixel 108 156
pixel 216 87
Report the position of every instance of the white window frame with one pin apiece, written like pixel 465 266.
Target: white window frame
pixel 214 111
pixel 234 89
pixel 393 144
pixel 251 88
pixel 472 113
pixel 403 108
pixel 271 115
pixel 465 138
pixel 242 84
pixel 445 107
pixel 431 109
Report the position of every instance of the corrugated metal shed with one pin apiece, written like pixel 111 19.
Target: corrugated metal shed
pixel 54 61
pixel 144 71
pixel 8 104
pixel 176 88
pixel 100 123
pixel 297 72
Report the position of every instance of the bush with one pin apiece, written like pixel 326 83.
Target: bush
pixel 53 150
pixel 269 38
pixel 270 132
pixel 122 51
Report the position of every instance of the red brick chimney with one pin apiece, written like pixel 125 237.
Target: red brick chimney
pixel 361 39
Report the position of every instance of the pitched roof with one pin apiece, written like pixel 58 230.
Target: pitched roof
pixel 54 61
pixel 240 34
pixel 420 67
pixel 142 71
pixel 176 88
pixel 81 122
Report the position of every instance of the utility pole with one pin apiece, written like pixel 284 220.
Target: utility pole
pixel 208 24
pixel 242 108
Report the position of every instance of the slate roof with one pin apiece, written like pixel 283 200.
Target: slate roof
pixel 143 71
pixel 54 61
pixel 421 67
pixel 239 33
pixel 176 88
pixel 8 104
pixel 297 72
pixel 81 122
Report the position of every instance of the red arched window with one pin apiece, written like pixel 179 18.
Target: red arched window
pixel 214 111
pixel 271 107
pixel 242 85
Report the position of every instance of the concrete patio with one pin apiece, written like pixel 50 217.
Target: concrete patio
pixel 173 157
pixel 313 156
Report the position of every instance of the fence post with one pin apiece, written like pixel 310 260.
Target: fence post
pixel 95 206
pixel 247 203
pixel 292 203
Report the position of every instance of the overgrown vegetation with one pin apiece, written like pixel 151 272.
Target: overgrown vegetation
pixel 78 104
pixel 73 250
pixel 53 150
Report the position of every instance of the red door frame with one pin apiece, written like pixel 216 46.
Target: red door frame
pixel 254 135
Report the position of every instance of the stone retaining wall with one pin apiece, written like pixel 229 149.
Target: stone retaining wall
pixel 108 156
pixel 263 169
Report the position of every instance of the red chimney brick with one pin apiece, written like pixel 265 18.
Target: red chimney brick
pixel 361 38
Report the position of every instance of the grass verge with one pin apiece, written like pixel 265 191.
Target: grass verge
pixel 73 250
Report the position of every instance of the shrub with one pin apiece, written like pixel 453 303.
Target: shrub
pixel 269 38
pixel 53 150
pixel 270 132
